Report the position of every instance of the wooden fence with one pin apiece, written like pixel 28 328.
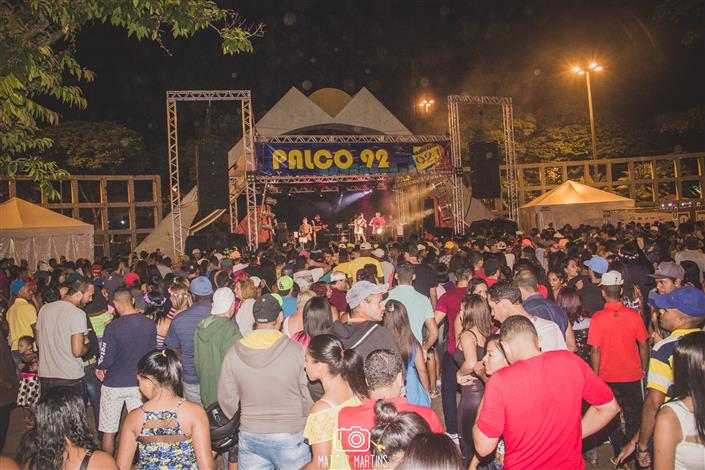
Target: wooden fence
pixel 123 209
pixel 651 181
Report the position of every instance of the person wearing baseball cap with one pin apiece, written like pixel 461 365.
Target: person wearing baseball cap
pixel 215 335
pixel 365 259
pixel 339 285
pixel 620 355
pixel 182 332
pixel 21 316
pixel 669 277
pixel 285 284
pixel 363 332
pixel 681 312
pixel 264 376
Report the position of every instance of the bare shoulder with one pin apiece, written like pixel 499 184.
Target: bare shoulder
pixel 191 411
pixel 6 463
pixel 102 461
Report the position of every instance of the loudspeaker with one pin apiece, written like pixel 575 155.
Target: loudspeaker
pixel 484 166
pixel 212 176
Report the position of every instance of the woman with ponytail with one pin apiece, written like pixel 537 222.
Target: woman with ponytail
pixel 170 432
pixel 392 434
pixel 342 376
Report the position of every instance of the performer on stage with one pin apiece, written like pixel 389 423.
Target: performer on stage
pixel 267 222
pixel 318 226
pixel 305 231
pixel 359 226
pixel 378 225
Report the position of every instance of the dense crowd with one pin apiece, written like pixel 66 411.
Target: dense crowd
pixel 540 346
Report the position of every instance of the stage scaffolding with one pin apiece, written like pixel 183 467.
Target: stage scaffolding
pixel 246 181
pixel 510 159
pixel 236 184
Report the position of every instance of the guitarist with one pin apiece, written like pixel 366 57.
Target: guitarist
pixel 317 227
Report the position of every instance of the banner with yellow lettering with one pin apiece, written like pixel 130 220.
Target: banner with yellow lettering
pixel 336 158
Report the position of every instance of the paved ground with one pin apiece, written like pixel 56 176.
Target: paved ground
pixel 17 429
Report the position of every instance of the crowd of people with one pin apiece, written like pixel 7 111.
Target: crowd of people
pixel 540 347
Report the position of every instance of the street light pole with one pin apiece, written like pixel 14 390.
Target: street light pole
pixel 592 116
pixel 592 67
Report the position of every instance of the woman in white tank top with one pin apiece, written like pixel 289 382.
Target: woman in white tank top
pixel 679 437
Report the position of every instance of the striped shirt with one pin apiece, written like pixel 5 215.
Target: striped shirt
pixel 661 363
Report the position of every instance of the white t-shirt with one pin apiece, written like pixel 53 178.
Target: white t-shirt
pixel 56 323
pixel 245 316
pixel 550 336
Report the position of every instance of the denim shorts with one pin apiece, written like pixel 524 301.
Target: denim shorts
pixel 272 451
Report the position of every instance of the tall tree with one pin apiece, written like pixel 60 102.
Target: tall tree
pixel 38 45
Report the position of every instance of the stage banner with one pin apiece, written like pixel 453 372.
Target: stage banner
pixel 343 158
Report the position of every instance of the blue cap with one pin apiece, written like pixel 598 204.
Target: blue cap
pixel 598 264
pixel 689 300
pixel 16 286
pixel 201 286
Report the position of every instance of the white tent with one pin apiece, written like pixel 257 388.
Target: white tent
pixel 571 203
pixel 31 232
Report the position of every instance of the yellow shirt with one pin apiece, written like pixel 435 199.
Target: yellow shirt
pixel 21 316
pixel 322 426
pixel 359 263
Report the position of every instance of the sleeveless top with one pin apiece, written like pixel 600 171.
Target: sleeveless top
pixel 86 459
pixel 162 444
pixel 689 455
pixel 459 356
pixel 322 426
pixel 415 393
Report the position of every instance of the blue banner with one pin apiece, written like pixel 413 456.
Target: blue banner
pixel 344 158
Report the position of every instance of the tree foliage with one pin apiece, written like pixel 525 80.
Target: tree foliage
pixel 95 147
pixel 38 66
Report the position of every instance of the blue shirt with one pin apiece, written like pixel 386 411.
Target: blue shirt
pixel 181 336
pixel 288 306
pixel 125 341
pixel 538 306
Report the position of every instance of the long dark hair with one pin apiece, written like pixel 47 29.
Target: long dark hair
pixel 394 431
pixel 628 287
pixel 689 375
pixel 154 306
pixel 692 273
pixel 432 451
pixel 317 316
pixel 60 416
pixel 396 320
pixel 347 363
pixel 569 300
pixel 476 312
pixel 164 367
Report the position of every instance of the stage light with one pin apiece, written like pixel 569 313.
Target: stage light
pixel 379 231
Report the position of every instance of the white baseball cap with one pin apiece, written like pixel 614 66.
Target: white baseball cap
pixel 377 252
pixel 365 246
pixel 256 281
pixel 223 299
pixel 612 278
pixel 338 276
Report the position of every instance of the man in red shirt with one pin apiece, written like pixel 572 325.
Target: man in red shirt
pixel 383 373
pixel 620 355
pixel 449 306
pixel 535 404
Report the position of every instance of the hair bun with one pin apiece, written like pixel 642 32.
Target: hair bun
pixel 385 412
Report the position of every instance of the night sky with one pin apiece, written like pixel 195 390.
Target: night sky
pixel 403 50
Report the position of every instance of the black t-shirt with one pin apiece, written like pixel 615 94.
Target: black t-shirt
pixel 425 280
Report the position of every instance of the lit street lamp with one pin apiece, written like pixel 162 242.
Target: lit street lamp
pixel 592 67
pixel 426 104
